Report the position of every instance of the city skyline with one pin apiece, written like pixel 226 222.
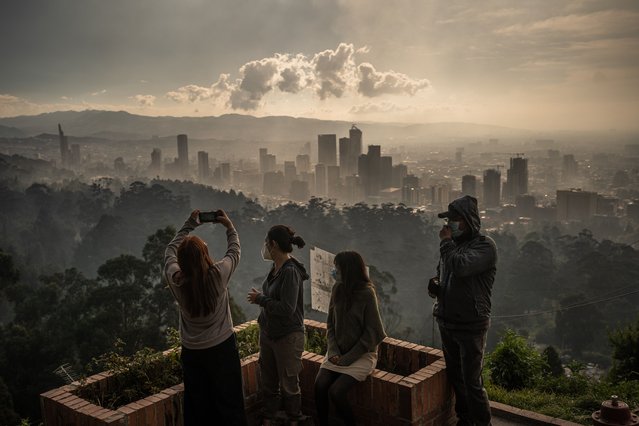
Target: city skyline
pixel 564 65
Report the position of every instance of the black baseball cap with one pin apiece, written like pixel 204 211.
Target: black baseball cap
pixel 451 213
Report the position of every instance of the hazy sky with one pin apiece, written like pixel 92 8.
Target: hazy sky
pixel 532 64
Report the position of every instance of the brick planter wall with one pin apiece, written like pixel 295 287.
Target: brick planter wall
pixel 414 392
pixel 410 388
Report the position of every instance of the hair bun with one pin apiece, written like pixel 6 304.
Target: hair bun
pixel 298 241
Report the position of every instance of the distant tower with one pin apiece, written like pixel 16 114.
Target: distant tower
pixel 386 171
pixel 469 185
pixel 492 188
pixel 203 169
pixel 183 153
pixel 355 135
pixel 156 161
pixel 327 150
pixel 320 180
pixel 517 177
pixel 64 147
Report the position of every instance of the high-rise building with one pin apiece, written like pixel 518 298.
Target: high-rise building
pixel 492 188
pixel 517 177
pixel 333 183
pixel 156 161
pixel 303 163
pixel 225 173
pixel 459 155
pixel 576 205
pixel 290 172
pixel 355 135
pixel 263 154
pixel 386 171
pixel 440 195
pixel 369 170
pixel 64 147
pixel 400 171
pixel 327 150
pixel 203 170
pixel 410 190
pixel 346 163
pixel 183 153
pixel 320 180
pixel 469 185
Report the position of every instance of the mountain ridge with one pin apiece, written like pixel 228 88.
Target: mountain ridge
pixel 124 125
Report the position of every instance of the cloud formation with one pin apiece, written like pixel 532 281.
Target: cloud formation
pixel 329 73
pixel 374 83
pixel 144 100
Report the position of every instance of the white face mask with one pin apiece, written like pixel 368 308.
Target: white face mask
pixel 266 253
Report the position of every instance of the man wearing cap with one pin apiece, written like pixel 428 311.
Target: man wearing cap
pixel 463 286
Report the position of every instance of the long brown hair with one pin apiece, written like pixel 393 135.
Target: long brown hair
pixel 353 273
pixel 200 293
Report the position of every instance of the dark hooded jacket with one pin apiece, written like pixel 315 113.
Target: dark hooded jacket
pixel 282 300
pixel 466 273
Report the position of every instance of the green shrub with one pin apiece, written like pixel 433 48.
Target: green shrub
pixel 514 364
pixel 552 364
pixel 625 353
pixel 315 342
pixel 248 341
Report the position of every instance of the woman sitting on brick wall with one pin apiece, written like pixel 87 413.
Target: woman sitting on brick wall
pixel 354 331
pixel 210 360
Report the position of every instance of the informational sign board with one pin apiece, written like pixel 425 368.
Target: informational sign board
pixel 321 281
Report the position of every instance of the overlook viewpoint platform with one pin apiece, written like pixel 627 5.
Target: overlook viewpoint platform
pixel 408 387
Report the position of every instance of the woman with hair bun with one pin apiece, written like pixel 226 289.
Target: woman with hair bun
pixel 281 323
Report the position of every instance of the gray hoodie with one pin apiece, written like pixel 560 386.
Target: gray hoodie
pixel 282 300
pixel 466 272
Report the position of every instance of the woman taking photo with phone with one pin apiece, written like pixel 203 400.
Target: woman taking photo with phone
pixel 281 323
pixel 354 330
pixel 210 360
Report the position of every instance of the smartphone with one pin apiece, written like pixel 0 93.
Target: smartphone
pixel 208 217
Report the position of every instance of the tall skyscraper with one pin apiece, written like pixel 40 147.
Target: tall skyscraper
pixel 225 173
pixel 320 180
pixel 386 172
pixel 64 147
pixel 369 169
pixel 156 161
pixel 517 177
pixel 183 153
pixel 492 188
pixel 355 135
pixel 327 150
pixel 263 154
pixel 290 172
pixel 333 183
pixel 469 185
pixel 203 170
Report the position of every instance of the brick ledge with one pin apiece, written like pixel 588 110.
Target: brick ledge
pixel 526 417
